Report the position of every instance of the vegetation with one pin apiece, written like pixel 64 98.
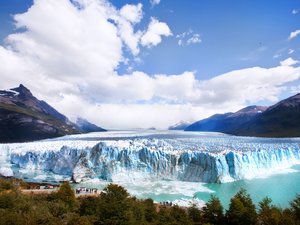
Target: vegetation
pixel 115 206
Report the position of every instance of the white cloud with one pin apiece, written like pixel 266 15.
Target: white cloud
pixel 133 13
pixel 180 42
pixel 69 55
pixel 188 38
pixel 247 86
pixel 133 115
pixel 294 34
pixel 295 89
pixel 288 62
pixel 194 39
pixel 295 11
pixel 291 51
pixel 128 36
pixel 154 2
pixel 155 31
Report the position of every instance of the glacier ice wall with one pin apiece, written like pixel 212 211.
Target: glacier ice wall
pixel 155 158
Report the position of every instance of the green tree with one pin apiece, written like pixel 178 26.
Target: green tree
pixel 89 206
pixel 194 214
pixel 213 211
pixel 114 192
pixel 241 209
pixel 288 218
pixel 7 200
pixel 179 215
pixel 75 219
pixel 6 185
pixel 295 207
pixel 114 206
pixel 66 194
pixel 268 214
pixel 164 217
pixel 149 210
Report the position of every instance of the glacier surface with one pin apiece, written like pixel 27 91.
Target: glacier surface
pixel 149 155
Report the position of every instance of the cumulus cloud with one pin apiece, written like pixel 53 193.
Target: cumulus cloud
pixel 294 34
pixel 188 38
pixel 155 31
pixel 248 85
pixel 129 15
pixel 288 62
pixel 183 97
pixel 154 2
pixel 132 13
pixel 79 43
pixel 68 55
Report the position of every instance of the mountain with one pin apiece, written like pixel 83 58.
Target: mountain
pixel 179 126
pixel 25 118
pixel 228 122
pixel 85 126
pixel 279 120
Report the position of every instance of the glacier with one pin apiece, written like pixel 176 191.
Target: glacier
pixel 172 155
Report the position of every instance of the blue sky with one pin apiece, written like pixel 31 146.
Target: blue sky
pixel 234 34
pixel 188 59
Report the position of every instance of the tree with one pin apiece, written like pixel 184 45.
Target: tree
pixel 179 215
pixel 213 211
pixel 75 219
pixel 89 206
pixel 295 207
pixel 268 214
pixel 114 206
pixel 164 217
pixel 149 210
pixel 66 194
pixel 6 185
pixel 194 214
pixel 241 209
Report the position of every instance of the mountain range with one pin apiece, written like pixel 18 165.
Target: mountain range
pixel 279 120
pixel 85 126
pixel 179 126
pixel 25 118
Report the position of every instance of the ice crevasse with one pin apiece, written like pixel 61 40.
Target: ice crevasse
pixel 156 158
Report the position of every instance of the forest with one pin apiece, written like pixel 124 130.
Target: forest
pixel 115 206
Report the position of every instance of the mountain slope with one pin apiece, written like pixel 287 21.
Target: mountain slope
pixel 25 118
pixel 179 126
pixel 279 120
pixel 228 122
pixel 86 126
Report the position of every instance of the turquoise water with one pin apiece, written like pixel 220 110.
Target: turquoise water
pixel 281 188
